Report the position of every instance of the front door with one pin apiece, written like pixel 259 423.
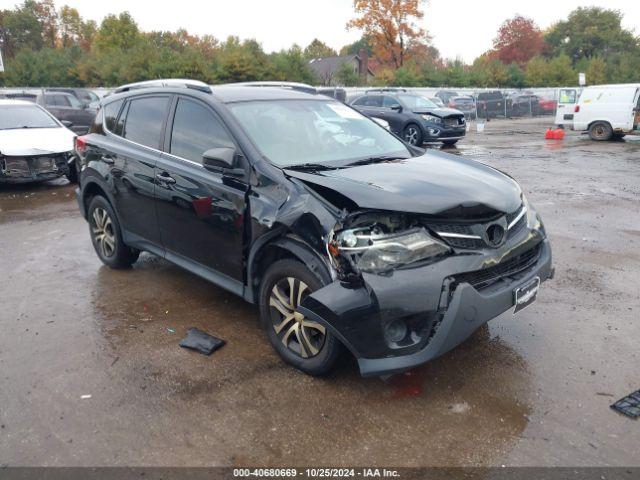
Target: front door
pixel 200 213
pixel 567 100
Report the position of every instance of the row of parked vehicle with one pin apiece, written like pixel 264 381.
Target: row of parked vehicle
pixel 495 103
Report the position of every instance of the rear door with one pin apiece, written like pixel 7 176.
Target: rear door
pixel 200 213
pixel 567 101
pixel 636 111
pixel 130 153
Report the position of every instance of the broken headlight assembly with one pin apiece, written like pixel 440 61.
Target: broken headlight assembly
pixel 374 251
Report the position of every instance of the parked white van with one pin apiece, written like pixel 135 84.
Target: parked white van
pixel 605 111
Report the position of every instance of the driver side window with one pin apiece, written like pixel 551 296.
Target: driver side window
pixel 196 129
pixel 389 102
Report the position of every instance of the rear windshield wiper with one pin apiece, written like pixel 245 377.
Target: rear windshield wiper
pixel 309 167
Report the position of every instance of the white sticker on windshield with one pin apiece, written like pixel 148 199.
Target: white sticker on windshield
pixel 343 110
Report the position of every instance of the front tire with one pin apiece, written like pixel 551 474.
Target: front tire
pixel 449 143
pixel 600 131
pixel 106 235
pixel 303 343
pixel 72 173
pixel 412 135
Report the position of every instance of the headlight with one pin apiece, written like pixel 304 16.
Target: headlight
pixel 533 219
pixel 432 118
pixel 371 252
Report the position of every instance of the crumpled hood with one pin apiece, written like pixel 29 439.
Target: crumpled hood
pixel 435 183
pixel 440 112
pixel 35 141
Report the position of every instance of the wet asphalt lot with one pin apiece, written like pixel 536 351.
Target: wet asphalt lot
pixel 529 390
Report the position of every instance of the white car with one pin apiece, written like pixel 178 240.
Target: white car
pixel 605 111
pixel 34 145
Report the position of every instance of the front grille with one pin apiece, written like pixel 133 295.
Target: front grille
pixel 471 236
pixel 28 166
pixel 453 121
pixel 483 278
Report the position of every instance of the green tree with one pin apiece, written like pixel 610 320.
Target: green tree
pixel 589 32
pixel 291 65
pixel 561 72
pixel 116 32
pixel 354 48
pixel 537 72
pixel 347 76
pixel 318 49
pixel 596 71
pixel 20 29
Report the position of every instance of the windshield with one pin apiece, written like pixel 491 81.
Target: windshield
pixel 415 101
pixel 295 132
pixel 25 116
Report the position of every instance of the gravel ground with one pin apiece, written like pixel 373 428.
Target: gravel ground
pixel 534 389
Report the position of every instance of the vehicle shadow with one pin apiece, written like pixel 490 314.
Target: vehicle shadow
pixel 466 406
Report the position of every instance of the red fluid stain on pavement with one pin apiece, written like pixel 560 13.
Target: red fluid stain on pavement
pixel 408 384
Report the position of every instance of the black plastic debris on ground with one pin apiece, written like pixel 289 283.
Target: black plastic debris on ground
pixel 201 341
pixel 629 405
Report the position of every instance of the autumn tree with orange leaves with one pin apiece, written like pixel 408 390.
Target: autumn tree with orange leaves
pixel 519 40
pixel 390 26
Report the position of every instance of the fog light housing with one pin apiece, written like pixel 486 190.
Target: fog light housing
pixel 433 131
pixel 395 331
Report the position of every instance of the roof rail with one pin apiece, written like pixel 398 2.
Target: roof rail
pixel 386 89
pixel 301 87
pixel 165 82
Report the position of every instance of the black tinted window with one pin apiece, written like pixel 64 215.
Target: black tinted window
pixel 111 114
pixel 390 102
pixel 196 129
pixel 144 120
pixel 369 101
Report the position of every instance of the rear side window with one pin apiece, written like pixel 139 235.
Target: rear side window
pixel 143 124
pixel 111 115
pixel 196 129
pixel 369 101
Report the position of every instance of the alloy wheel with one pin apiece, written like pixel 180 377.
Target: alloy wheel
pixel 103 232
pixel 299 334
pixel 411 135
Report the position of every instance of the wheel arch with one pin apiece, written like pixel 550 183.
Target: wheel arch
pixel 92 187
pixel 277 246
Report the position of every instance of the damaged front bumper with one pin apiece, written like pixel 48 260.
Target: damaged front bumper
pixel 436 306
pixel 38 168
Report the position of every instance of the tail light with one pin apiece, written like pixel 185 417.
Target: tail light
pixel 80 145
pixel 577 109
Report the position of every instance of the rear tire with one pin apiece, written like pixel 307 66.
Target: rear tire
pixel 303 343
pixel 600 131
pixel 106 235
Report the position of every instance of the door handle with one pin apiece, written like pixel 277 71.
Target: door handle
pixel 107 159
pixel 165 178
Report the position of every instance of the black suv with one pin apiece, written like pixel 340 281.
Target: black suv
pixel 414 118
pixel 342 235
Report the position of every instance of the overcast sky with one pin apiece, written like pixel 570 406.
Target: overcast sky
pixel 459 29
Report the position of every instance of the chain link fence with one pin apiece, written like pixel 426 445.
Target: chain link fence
pixel 482 103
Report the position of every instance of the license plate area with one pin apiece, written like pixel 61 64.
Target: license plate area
pixel 526 294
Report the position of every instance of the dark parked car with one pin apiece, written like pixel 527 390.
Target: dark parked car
pixel 65 107
pixel 85 95
pixel 465 104
pixel 490 104
pixel 446 95
pixel 414 118
pixel 343 236
pixel 520 105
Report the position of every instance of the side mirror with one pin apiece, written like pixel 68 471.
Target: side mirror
pixel 396 108
pixel 221 160
pixel 67 123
